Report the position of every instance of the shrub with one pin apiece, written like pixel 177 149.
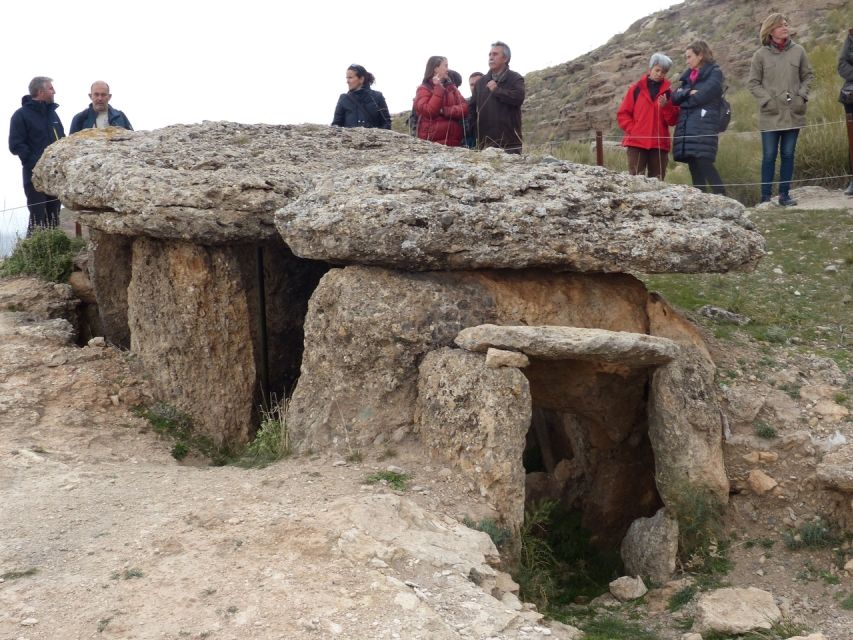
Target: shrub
pixel 764 430
pixel 271 442
pixel 47 253
pixel 393 479
pixel 814 534
pixel 499 535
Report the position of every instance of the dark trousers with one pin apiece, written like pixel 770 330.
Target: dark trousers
pixel 653 160
pixel 44 209
pixel 848 108
pixel 783 143
pixel 703 172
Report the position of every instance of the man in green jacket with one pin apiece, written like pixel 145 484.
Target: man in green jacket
pixel 779 79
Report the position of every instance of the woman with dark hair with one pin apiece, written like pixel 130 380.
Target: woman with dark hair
pixel 695 141
pixel 361 106
pixel 779 78
pixel 845 70
pixel 439 105
pixel 645 115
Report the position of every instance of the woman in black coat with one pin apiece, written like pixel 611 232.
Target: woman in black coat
pixel 845 70
pixel 361 106
pixel 695 141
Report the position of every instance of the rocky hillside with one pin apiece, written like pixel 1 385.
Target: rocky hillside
pixel 571 100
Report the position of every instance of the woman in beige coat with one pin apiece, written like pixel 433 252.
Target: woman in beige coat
pixel 779 79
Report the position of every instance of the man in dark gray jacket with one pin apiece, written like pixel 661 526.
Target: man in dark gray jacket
pixel 496 103
pixel 99 114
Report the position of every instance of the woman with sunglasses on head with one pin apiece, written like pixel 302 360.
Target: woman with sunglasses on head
pixel 361 106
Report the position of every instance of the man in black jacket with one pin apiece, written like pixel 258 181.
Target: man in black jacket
pixel 33 127
pixel 99 114
pixel 496 103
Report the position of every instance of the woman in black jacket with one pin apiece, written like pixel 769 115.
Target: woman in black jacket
pixel 695 140
pixel 361 106
pixel 845 70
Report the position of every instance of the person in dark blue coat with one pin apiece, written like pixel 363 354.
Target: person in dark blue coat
pixel 695 140
pixel 33 127
pixel 99 114
pixel 361 106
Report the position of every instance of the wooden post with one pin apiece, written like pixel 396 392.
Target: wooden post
pixel 78 230
pixel 599 146
pixel 850 136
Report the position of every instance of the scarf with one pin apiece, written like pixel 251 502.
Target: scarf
pixel 694 75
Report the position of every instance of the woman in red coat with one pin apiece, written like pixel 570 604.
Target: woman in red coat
pixel 645 115
pixel 439 105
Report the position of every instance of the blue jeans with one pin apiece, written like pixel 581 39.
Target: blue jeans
pixel 771 143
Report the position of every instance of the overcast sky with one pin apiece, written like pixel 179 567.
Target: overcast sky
pixel 280 63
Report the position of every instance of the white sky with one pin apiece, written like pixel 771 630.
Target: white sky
pixel 279 63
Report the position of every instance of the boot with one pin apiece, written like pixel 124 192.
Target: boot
pixel 849 190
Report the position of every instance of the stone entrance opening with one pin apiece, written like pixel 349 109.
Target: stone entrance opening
pixel 588 447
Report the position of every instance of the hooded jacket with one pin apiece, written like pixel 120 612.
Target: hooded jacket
pixel 779 81
pixel 33 127
pixel 645 123
pixel 441 109
pixel 86 119
pixel 845 60
pixel 363 107
pixel 699 116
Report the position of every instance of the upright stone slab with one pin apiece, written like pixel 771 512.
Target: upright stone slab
pixel 685 419
pixel 190 324
pixel 476 418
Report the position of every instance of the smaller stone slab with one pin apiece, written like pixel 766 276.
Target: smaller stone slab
pixel 571 343
pixel 497 358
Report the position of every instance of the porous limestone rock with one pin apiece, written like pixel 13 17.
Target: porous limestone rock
pixel 685 420
pixel 734 611
pixel 476 418
pixel 367 330
pixel 836 469
pixel 571 343
pixel 190 325
pixel 760 482
pixel 496 358
pixel 650 547
pixel 370 196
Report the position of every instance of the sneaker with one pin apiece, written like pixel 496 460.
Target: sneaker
pixel 849 190
pixel 786 201
pixel 765 199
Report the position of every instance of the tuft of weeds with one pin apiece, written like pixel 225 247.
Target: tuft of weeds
pixel 611 628
pixel 170 422
pixel 764 543
pixel 536 561
pixel 272 442
pixel 14 575
pixel 700 524
pixel 127 574
pixel 102 624
pixel 682 597
pixel 764 430
pixel 812 535
pixel 47 253
pixel 393 479
pixel 499 535
pixel 847 603
pixel 355 456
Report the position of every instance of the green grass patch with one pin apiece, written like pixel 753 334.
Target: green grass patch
pixel 169 422
pixel 47 253
pixel 271 442
pixel 128 574
pixel 612 628
pixel 816 534
pixel 393 479
pixel 847 603
pixel 764 430
pixel 682 597
pixel 499 535
pixel 14 575
pixel 800 306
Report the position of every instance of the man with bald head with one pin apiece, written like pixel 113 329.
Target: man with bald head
pixel 99 114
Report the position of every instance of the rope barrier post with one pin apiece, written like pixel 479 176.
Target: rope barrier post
pixel 599 147
pixel 78 230
pixel 850 136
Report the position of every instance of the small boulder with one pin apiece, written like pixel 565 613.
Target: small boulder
pixel 627 588
pixel 497 358
pixel 736 611
pixel 650 546
pixel 760 482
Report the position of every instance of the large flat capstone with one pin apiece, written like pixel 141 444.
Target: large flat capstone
pixel 374 197
pixel 571 343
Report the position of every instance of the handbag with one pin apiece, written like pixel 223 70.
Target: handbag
pixel 846 95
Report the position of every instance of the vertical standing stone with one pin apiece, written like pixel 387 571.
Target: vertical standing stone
pixel 110 276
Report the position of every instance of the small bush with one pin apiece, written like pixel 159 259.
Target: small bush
pixel 170 422
pixel 393 479
pixel 271 442
pixel 812 535
pixel 47 253
pixel 847 603
pixel 682 597
pixel 499 535
pixel 766 431
pixel 536 561
pixel 610 628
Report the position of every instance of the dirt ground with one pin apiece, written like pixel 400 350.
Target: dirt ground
pixel 104 535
